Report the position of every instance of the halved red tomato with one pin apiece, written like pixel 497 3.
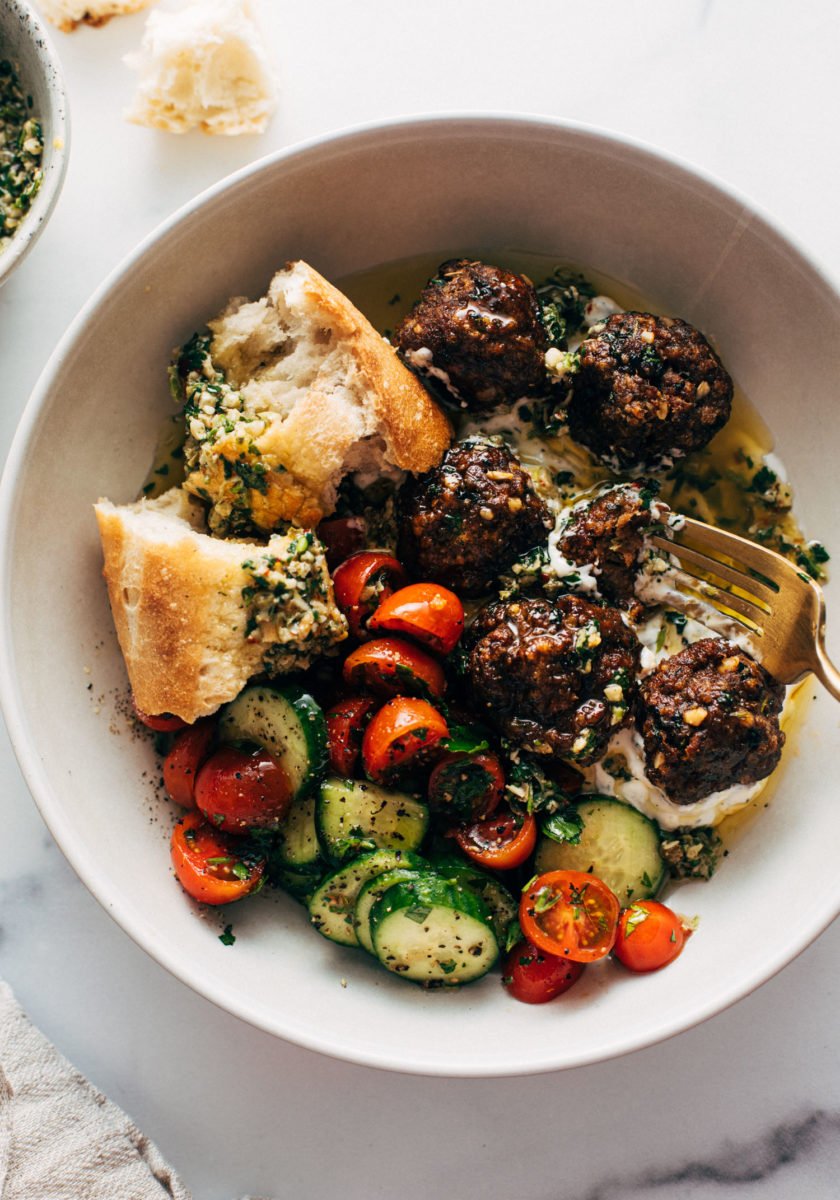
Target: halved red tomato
pixel 427 612
pixel 405 732
pixel 502 841
pixel 571 914
pixel 650 935
pixel 342 536
pixel 239 789
pixel 362 582
pixel 162 723
pixel 534 977
pixel 468 787
pixel 209 865
pixel 345 729
pixel 393 667
pixel 187 754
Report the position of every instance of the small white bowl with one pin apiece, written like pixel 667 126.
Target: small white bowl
pixel 24 41
pixel 345 203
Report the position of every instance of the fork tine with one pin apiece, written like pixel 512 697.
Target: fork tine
pixel 746 583
pixel 735 607
pixel 750 558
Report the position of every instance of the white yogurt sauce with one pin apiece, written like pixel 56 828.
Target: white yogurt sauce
pixel 423 361
pixel 598 309
pixel 638 790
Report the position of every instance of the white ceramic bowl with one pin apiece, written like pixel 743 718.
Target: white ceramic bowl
pixel 345 203
pixel 24 41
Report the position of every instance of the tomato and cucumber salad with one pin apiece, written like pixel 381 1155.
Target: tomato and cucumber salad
pixel 406 829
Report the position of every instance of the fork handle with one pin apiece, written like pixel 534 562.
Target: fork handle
pixel 826 672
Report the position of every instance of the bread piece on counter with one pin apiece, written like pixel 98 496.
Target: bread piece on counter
pixel 197 617
pixel 295 391
pixel 67 14
pixel 203 66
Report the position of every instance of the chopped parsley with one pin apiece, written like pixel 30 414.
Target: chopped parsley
pixel 562 299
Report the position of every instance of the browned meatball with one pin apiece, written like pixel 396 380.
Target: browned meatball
pixel 608 532
pixel 709 717
pixel 556 678
pixel 648 389
pixel 468 519
pixel 480 326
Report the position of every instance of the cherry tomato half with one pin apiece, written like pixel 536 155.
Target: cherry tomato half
pixel 208 863
pixel 163 723
pixel 393 667
pixel 406 731
pixel 500 841
pixel 187 754
pixel 362 582
pixel 469 787
pixel 429 613
pixel 534 977
pixel 569 913
pixel 650 935
pixel 345 729
pixel 342 536
pixel 239 789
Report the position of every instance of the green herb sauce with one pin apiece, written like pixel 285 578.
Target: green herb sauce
pixel 21 152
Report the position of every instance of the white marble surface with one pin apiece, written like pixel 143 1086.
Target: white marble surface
pixel 746 1106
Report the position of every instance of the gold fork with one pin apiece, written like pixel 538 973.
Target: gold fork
pixel 781 606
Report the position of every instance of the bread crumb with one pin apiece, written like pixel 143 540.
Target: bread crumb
pixel 203 67
pixel 68 14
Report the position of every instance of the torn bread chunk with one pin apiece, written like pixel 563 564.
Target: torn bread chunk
pixel 288 394
pixel 67 14
pixel 203 66
pixel 197 617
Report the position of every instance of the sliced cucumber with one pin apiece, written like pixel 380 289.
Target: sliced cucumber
pixel 617 844
pixel 287 723
pixel 297 846
pixel 299 884
pixel 433 932
pixel 352 816
pixel 499 900
pixel 332 905
pixel 373 890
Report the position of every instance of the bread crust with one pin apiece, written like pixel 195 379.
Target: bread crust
pixel 415 429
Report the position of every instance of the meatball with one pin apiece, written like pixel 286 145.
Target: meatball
pixel 556 678
pixel 609 533
pixel 709 717
pixel 648 388
pixel 466 520
pixel 478 329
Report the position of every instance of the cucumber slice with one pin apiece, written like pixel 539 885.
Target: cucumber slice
pixel 299 884
pixel 297 846
pixel 376 888
pixel 332 904
pixel 618 844
pixel 433 932
pixel 287 723
pixel 500 902
pixel 352 816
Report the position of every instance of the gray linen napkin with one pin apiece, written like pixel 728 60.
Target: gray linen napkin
pixel 60 1139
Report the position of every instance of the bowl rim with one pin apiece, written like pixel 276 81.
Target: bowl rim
pixel 74 847
pixel 56 154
